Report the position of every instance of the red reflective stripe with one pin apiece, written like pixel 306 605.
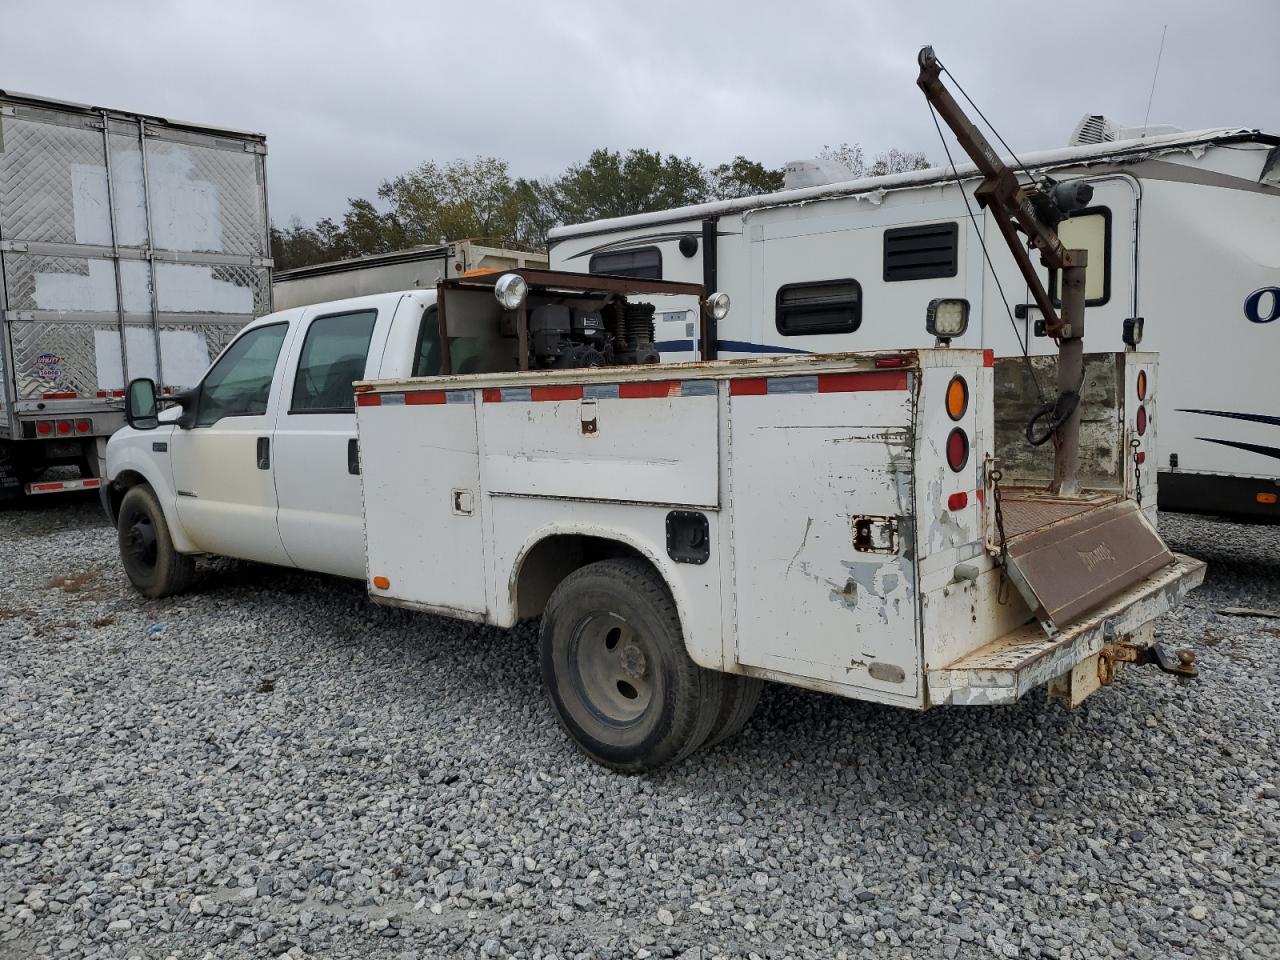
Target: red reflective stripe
pixel 117 393
pixel 885 363
pixel 54 486
pixel 570 392
pixel 854 382
pixel 988 358
pixel 101 394
pixel 755 387
pixel 414 397
pixel 60 396
pixel 491 395
pixel 368 400
pixel 649 391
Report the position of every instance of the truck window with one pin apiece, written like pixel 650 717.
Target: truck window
pixel 426 359
pixel 1088 229
pixel 333 357
pixel 239 383
pixel 827 306
pixel 643 262
pixel 926 252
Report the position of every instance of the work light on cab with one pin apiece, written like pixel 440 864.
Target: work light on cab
pixel 718 305
pixel 947 318
pixel 510 291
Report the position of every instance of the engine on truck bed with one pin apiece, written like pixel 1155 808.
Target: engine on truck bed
pixel 564 336
pixel 554 320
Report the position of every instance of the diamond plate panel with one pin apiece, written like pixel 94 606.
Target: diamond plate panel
pixel 70 284
pixel 188 349
pixel 205 288
pixel 47 173
pixel 127 193
pixel 60 357
pixel 205 200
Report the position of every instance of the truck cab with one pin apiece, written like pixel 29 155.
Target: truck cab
pixel 259 461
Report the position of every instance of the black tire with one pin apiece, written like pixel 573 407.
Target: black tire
pixel 741 696
pixel 153 565
pixel 616 670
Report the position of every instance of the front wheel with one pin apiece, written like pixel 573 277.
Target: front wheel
pixel 617 672
pixel 152 563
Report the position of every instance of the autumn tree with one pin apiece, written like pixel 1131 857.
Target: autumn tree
pixel 742 178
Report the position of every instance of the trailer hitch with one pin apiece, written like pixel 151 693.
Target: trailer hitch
pixel 1181 662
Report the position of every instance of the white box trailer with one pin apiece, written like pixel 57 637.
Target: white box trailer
pixel 130 246
pixel 417 268
pixel 1183 229
pixel 834 522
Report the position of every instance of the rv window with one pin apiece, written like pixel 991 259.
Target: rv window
pixel 644 262
pixel 333 357
pixel 921 253
pixel 828 306
pixel 1090 230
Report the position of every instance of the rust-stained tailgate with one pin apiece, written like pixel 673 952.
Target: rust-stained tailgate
pixel 1080 562
pixel 1005 669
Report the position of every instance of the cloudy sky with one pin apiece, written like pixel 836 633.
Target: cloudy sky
pixel 352 93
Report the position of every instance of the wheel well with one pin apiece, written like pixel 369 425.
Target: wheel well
pixel 121 485
pixel 554 558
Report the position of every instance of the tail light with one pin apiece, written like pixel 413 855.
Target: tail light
pixel 957 450
pixel 84 426
pixel 64 428
pixel 1142 421
pixel 44 428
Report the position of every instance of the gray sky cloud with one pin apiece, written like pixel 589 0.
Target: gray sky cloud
pixel 349 97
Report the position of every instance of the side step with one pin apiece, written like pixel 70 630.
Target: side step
pixel 1026 658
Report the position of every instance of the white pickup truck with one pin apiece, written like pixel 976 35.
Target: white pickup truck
pixel 685 531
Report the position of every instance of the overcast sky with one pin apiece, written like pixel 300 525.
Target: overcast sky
pixel 349 94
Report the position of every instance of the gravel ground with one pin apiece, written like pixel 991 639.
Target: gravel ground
pixel 273 765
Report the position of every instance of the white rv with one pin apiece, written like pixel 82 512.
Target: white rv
pixel 1183 230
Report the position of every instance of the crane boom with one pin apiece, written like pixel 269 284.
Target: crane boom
pixel 1035 213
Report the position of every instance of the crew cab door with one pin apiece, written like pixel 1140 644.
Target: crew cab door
pixel 226 495
pixel 321 516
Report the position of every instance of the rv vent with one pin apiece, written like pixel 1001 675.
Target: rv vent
pixel 1093 128
pixel 814 173
pixel 920 253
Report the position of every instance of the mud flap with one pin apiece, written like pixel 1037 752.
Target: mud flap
pixel 1075 565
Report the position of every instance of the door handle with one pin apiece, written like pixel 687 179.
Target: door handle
pixel 353 457
pixel 264 453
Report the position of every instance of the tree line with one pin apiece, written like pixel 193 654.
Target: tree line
pixel 478 198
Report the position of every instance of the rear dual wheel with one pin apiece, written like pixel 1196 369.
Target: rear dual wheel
pixel 620 680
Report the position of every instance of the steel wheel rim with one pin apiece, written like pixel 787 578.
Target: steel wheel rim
pixel 140 541
pixel 611 666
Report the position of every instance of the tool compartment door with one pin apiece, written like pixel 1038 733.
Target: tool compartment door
pixel 814 461
pixel 420 466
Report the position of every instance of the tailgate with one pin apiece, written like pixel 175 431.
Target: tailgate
pixel 1077 563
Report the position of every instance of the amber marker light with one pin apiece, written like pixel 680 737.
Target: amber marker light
pixel 957 397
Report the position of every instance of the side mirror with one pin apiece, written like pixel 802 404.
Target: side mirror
pixel 140 407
